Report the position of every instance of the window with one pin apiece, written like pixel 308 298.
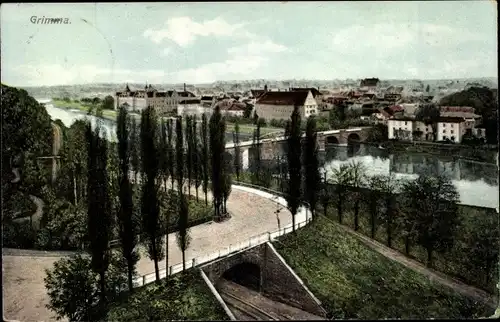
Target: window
pixel 406 123
pixel 444 130
pixel 451 131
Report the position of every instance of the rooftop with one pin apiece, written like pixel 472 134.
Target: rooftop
pixel 283 98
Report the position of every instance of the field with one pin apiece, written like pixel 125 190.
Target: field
pixel 249 128
pixel 354 281
pixel 107 114
pixel 184 297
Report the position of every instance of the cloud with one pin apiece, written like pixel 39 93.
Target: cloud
pixel 184 31
pixel 56 74
pixel 207 73
pixel 387 37
pixel 257 48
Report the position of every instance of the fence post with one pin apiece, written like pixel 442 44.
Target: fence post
pixel 143 280
pixel 170 270
pixel 269 236
pixel 194 262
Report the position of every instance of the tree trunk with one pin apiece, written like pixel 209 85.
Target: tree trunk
pixel 373 217
pixel 130 265
pixel 488 269
pixel 325 208
pixel 339 208
pixel 102 283
pixel 155 258
pixel 74 188
pixel 166 244
pixel 429 257
pixel 293 222
pixel 183 259
pixel 407 245
pixel 356 215
pixel 206 197
pixel 197 199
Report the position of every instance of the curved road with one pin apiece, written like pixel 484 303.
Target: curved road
pixel 23 287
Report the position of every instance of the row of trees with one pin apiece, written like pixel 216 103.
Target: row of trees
pixel 147 158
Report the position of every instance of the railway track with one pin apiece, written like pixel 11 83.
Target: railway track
pixel 248 308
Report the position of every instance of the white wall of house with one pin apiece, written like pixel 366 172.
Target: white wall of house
pixel 402 129
pixel 451 131
pixel 310 106
pixel 271 111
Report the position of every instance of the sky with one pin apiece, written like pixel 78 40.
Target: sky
pixel 206 42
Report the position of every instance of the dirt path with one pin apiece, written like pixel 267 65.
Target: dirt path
pixel 433 275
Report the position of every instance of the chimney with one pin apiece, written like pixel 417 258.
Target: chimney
pixel 184 87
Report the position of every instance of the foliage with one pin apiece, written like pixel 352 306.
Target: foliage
pixel 354 282
pixel 99 219
pixel 340 177
pixel 73 287
pixel 150 206
pixel 378 133
pixel 432 207
pixel 311 164
pixel 185 296
pixel 183 237
pixel 108 103
pixel 237 150
pixel 204 154
pixel 294 155
pixel 217 128
pixel 126 222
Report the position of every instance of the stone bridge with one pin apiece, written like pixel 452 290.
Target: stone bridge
pixel 262 269
pixel 269 148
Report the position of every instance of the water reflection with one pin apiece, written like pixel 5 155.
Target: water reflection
pixel 476 182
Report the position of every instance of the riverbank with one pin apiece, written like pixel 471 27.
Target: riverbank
pixel 106 114
pixel 488 154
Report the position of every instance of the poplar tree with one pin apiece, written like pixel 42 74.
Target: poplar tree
pixel 189 152
pixel 217 131
pixel 311 162
pixel 294 144
pixel 99 219
pixel 237 150
pixel 171 151
pixel 183 237
pixel 163 154
pixel 197 170
pixel 204 154
pixel 127 225
pixel 179 154
pixel 135 148
pixel 150 206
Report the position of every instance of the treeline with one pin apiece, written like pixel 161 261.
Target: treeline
pixel 421 218
pixel 151 155
pixel 107 103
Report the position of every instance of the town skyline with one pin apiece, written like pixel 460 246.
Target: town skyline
pixel 199 43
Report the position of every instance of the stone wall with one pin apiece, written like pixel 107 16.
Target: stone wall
pixel 277 281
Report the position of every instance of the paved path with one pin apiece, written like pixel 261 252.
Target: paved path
pixel 24 291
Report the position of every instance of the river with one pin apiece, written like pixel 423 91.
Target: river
pixel 476 182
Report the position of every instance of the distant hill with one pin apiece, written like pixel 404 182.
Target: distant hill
pixel 483 99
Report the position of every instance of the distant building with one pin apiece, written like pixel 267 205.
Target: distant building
pixel 318 96
pixel 162 101
pixel 369 82
pixel 280 105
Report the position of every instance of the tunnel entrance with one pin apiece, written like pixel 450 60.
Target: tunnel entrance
pixel 245 274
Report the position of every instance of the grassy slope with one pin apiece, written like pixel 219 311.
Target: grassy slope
pixel 354 281
pixel 182 298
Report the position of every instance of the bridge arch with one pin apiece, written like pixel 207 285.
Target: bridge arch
pixel 332 139
pixel 353 138
pixel 246 274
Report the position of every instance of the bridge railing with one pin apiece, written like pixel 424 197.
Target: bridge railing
pixel 233 248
